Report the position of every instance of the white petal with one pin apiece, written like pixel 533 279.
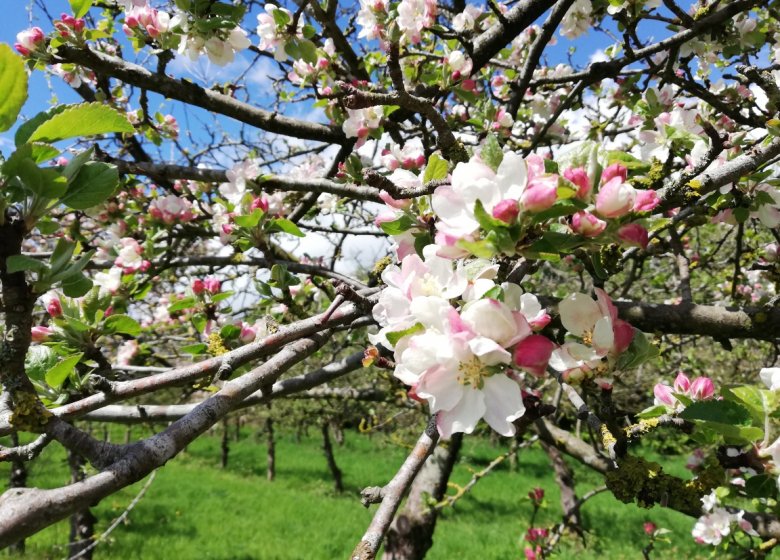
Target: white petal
pixel 440 386
pixel 464 417
pixel 603 335
pixel 579 313
pixel 503 402
pixel 489 351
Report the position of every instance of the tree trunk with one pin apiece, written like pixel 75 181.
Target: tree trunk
pixel 564 477
pixel 335 471
pixel 18 479
pixel 338 433
pixel 225 443
pixel 271 456
pixel 82 523
pixel 411 534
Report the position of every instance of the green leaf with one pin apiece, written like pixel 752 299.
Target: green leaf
pixel 121 324
pixel 394 337
pixel 93 184
pixel 80 7
pixel 18 263
pixel 761 486
pixel 60 257
pixel 194 349
pixel 26 129
pixel 638 352
pixel 565 207
pixel 76 285
pixel 652 412
pixel 491 153
pixel 398 226
pixel 550 166
pixel 57 375
pixel 75 165
pixel 249 220
pixel 436 169
pixel 45 183
pixel 13 87
pixel 182 304
pixel 721 412
pixel 285 225
pixel 84 119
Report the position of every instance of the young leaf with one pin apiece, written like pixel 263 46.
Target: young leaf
pixel 285 225
pixel 491 153
pixel 93 184
pixel 57 375
pixel 122 324
pixel 436 169
pixel 18 263
pixel 84 119
pixel 80 7
pixel 13 87
pixel 722 412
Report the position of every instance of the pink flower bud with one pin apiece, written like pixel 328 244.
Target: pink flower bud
pixel 506 211
pixel 624 334
pixel 634 234
pixel 198 286
pixel 649 527
pixel 614 170
pixel 248 333
pixel 260 202
pixel 536 495
pixel 663 394
pixel 540 194
pixel 533 353
pixel 41 334
pixel 587 225
pixel 646 200
pixel 681 383
pixel 468 85
pixel 212 285
pixel 579 177
pixel 702 388
pixel 54 308
pixel 399 203
pixel 615 198
pixel 456 75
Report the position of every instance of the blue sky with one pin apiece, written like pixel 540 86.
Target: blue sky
pixel 25 13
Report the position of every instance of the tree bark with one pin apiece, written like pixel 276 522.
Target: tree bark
pixel 18 479
pixel 270 472
pixel 327 448
pixel 564 477
pixel 225 443
pixel 82 523
pixel 411 534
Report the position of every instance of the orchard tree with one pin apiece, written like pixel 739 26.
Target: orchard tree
pixel 524 216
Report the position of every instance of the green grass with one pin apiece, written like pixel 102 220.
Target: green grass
pixel 195 509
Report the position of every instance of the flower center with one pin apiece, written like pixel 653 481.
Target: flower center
pixel 430 286
pixel 472 373
pixel 587 338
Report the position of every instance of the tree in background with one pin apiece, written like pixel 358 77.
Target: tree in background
pixel 556 217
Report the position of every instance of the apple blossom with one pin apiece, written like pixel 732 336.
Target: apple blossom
pixel 771 377
pixel 615 198
pixel 41 334
pixel 171 209
pixel 212 285
pixel 577 19
pixel 587 225
pixel 413 17
pixel 579 176
pixel 273 36
pixel 634 234
pixel 472 181
pixel 129 257
pixel 533 354
pixel 29 40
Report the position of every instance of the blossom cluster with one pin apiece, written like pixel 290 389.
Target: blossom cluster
pixel 465 358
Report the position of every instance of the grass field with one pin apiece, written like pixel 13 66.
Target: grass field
pixel 195 509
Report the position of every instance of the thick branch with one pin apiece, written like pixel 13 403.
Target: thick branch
pixel 190 93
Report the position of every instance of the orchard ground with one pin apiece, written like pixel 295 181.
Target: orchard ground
pixel 194 509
